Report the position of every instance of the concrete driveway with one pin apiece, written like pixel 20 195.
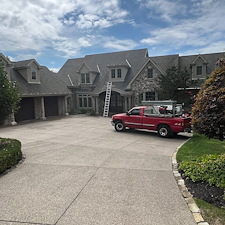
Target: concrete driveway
pixel 80 171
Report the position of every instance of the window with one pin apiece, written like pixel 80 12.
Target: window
pixel 199 70
pixel 113 73
pixel 85 78
pixel 150 111
pixel 150 96
pixel 118 73
pixel 85 101
pixel 135 112
pixel 150 73
pixel 33 75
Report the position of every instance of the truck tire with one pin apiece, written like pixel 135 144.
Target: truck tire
pixel 119 126
pixel 164 131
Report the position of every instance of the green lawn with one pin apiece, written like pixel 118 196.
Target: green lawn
pixel 200 145
pixel 194 148
pixel 212 214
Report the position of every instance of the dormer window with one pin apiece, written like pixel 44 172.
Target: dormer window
pixel 33 75
pixel 199 70
pixel 150 73
pixel 113 73
pixel 85 78
pixel 118 73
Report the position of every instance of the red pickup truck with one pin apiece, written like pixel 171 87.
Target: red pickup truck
pixel 147 117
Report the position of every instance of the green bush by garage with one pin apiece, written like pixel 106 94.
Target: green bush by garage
pixel 10 153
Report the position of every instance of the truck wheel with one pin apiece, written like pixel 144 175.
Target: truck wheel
pixel 164 131
pixel 119 126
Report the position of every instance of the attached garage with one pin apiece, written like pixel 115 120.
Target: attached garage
pixel 26 111
pixel 51 106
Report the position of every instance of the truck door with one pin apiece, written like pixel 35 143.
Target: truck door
pixel 134 120
pixel 150 118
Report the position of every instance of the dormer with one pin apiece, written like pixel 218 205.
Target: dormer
pixel 199 68
pixel 118 72
pixel 6 64
pixel 29 70
pixel 86 75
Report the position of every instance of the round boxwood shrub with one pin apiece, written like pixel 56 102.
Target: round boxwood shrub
pixel 10 153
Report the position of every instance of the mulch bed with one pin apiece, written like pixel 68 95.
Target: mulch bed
pixel 205 192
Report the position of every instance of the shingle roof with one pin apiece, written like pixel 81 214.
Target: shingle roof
pixel 102 62
pixel 51 84
pixel 24 63
pixel 210 58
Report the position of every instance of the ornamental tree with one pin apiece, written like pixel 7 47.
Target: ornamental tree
pixel 208 112
pixel 9 96
pixel 172 80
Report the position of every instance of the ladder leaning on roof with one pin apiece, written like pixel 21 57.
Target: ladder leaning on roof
pixel 107 99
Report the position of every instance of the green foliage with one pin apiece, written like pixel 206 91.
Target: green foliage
pixel 209 168
pixel 9 97
pixel 10 153
pixel 208 113
pixel 199 145
pixel 212 214
pixel 172 80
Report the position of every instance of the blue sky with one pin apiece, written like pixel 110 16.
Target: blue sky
pixel 52 31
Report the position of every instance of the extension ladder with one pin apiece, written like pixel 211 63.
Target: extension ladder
pixel 107 99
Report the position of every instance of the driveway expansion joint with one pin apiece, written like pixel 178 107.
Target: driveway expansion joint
pixel 194 209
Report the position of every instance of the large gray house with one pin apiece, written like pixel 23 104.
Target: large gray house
pixel 81 83
pixel 134 77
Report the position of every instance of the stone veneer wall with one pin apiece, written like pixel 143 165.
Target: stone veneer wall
pixel 144 84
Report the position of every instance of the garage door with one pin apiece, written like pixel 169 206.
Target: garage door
pixel 26 111
pixel 51 106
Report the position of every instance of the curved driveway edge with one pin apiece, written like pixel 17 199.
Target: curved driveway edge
pixel 78 170
pixel 186 194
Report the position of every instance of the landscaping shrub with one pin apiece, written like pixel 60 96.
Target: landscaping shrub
pixel 10 153
pixel 208 111
pixel 209 168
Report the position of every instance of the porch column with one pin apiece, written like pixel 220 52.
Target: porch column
pixel 97 105
pixel 125 104
pixel 66 106
pixel 129 103
pixel 42 109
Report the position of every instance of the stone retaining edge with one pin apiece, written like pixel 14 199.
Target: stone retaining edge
pixel 196 212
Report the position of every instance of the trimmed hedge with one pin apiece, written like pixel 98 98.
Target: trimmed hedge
pixel 10 153
pixel 209 168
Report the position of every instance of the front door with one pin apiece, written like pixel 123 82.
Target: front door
pixel 116 103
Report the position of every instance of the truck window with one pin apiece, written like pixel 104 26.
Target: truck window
pixel 149 111
pixel 135 112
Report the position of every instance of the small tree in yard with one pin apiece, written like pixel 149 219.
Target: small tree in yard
pixel 172 80
pixel 9 97
pixel 208 113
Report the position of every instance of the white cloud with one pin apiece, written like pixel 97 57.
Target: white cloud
pixel 34 25
pixel 120 45
pixel 24 56
pixel 199 32
pixel 166 9
pixel 55 70
pixel 211 48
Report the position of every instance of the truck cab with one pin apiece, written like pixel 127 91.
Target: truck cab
pixel 167 121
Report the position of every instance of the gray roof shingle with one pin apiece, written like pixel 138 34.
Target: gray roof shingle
pixel 102 62
pixel 51 84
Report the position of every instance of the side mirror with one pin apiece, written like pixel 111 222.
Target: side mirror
pixel 127 113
